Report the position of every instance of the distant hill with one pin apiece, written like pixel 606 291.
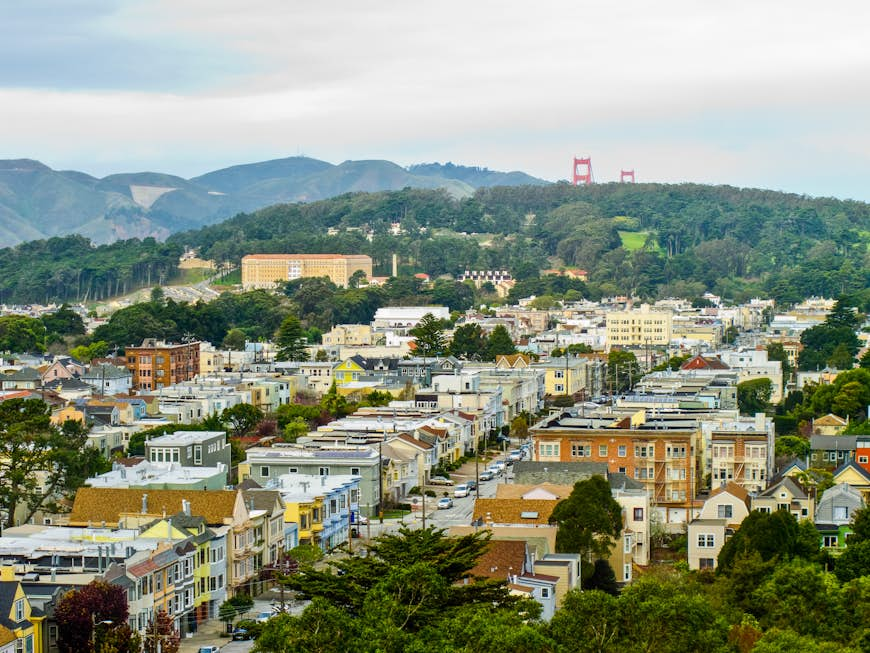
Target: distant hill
pixel 38 202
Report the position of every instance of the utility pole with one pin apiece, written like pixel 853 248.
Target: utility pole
pixel 381 471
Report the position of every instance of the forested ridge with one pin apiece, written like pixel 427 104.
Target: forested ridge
pixel 649 240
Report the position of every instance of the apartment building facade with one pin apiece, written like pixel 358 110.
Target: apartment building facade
pixel 639 328
pixel 157 364
pixel 665 462
pixel 266 270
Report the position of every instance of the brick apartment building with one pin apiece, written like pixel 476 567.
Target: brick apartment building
pixel 158 364
pixel 665 461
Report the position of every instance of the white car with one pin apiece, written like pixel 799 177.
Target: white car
pixel 444 503
pixel 461 490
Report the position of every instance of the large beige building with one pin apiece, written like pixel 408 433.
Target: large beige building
pixel 266 270
pixel 639 327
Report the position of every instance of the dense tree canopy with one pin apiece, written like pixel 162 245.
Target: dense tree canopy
pixel 405 595
pixel 588 520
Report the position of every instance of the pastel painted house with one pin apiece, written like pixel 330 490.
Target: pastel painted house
pixel 834 515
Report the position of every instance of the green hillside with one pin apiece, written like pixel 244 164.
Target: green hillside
pixel 648 240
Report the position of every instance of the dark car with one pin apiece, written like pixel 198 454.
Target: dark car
pixel 471 485
pixel 240 634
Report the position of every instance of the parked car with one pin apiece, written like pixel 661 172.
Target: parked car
pixel 444 503
pixel 486 475
pixel 515 455
pixel 461 490
pixel 263 617
pixel 362 519
pixel 440 480
pixel 472 486
pixel 209 649
pixel 240 634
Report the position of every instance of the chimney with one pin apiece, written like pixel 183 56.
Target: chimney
pixel 144 503
pixel 185 507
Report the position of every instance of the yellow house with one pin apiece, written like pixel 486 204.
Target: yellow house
pixel 347 371
pixel 67 413
pixel 563 376
pixel 180 527
pixel 24 625
pixel 307 515
pixel 856 476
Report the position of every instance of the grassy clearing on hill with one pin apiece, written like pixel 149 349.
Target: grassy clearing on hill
pixel 632 240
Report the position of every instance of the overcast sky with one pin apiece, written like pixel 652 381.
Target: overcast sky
pixel 771 94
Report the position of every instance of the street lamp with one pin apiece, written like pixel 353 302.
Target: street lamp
pixel 94 624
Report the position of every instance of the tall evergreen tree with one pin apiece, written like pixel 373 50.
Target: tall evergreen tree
pixel 290 340
pixel 429 337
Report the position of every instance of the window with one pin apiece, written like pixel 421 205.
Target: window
pixel 626 544
pixel 602 450
pixel 19 610
pixel 621 451
pixel 841 512
pixel 638 514
pixel 725 511
pixel 323 471
pixel 560 374
pixel 545 592
pixel 354 471
pixel 293 470
pixel 581 450
pixel 705 563
pixel 706 540
pixel 197 454
pixel 559 387
pixel 830 541
pixel 626 572
pixel 264 471
pixel 549 450
pixel 862 459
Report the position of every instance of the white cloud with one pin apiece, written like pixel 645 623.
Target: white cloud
pixel 680 90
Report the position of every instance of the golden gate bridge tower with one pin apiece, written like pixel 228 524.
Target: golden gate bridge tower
pixel 583 172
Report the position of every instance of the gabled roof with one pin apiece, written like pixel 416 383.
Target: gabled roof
pixel 853 466
pixel 440 433
pixel 794 488
pixel 106 372
pixel 421 444
pixel 8 589
pixel 700 362
pixel 262 499
pixel 500 559
pixel 97 505
pixel 830 420
pixel 734 490
pixel 24 374
pixel 59 385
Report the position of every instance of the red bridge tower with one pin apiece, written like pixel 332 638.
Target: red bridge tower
pixel 583 171
pixel 626 175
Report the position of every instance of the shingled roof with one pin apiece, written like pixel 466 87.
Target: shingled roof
pixel 501 558
pixel 96 505
pixel 511 511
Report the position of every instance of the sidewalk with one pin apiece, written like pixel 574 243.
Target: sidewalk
pixel 208 634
